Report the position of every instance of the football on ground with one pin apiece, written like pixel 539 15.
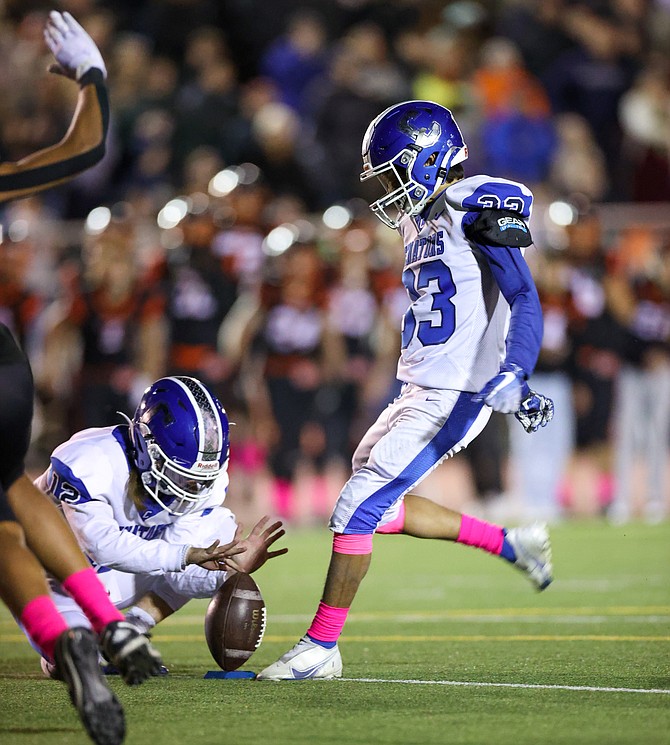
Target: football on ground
pixel 235 621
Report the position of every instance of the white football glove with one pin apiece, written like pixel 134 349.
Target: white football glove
pixel 535 411
pixel 74 50
pixel 505 392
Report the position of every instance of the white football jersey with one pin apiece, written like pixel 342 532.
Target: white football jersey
pixel 453 333
pixel 88 479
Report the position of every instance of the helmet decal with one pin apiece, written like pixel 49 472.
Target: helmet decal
pixel 423 136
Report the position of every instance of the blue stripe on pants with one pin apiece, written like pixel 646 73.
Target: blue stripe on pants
pixel 367 516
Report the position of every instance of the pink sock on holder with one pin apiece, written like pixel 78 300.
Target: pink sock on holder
pixel 91 596
pixel 43 623
pixel 474 532
pixel 328 623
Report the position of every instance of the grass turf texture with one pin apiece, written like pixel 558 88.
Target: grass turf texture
pixel 429 612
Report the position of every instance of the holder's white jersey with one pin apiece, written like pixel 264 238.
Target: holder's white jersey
pixel 453 333
pixel 88 479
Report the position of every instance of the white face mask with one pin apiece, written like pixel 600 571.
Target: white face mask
pixel 178 490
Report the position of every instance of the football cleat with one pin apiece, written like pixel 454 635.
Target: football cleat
pixel 130 652
pixel 533 553
pixel 109 669
pixel 50 670
pixel 101 713
pixel 307 660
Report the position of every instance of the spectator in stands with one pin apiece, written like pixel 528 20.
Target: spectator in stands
pixel 539 467
pixel 285 154
pixel 642 410
pixel 353 312
pixel 597 341
pixel 117 316
pixel 591 78
pixel 361 78
pixel 293 353
pixel 645 119
pixel 578 164
pixel 516 116
pixel 296 60
pixel 199 296
pixel 239 244
pixel 538 31
pixel 443 68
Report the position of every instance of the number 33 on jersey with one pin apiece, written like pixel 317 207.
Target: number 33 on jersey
pixel 453 331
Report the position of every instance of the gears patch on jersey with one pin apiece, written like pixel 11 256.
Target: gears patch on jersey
pixel 497 228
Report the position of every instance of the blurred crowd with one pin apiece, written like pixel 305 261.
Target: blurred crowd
pixel 226 234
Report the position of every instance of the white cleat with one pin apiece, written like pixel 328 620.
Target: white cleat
pixel 533 553
pixel 307 660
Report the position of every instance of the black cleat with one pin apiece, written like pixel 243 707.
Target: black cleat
pixel 110 669
pixel 131 653
pixel 76 655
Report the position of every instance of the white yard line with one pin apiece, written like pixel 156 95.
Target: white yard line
pixel 586 615
pixel 535 686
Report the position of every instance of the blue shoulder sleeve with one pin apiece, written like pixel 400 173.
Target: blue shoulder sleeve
pixel 513 276
pixel 478 193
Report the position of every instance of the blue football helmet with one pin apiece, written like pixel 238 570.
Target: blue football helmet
pixel 180 436
pixel 410 148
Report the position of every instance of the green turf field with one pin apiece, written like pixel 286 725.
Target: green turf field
pixel 445 645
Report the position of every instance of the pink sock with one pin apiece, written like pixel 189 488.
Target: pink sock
pixel 90 595
pixel 43 623
pixel 474 532
pixel 328 623
pixel 352 544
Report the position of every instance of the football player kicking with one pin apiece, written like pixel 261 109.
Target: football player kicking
pixel 145 501
pixel 33 535
pixel 470 340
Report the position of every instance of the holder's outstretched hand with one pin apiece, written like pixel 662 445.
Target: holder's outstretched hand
pixel 256 546
pixel 215 558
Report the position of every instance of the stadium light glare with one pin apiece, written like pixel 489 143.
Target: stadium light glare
pixel 279 239
pixel 97 220
pixel 18 231
pixel 337 217
pixel 172 213
pixel 224 182
pixel 562 213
